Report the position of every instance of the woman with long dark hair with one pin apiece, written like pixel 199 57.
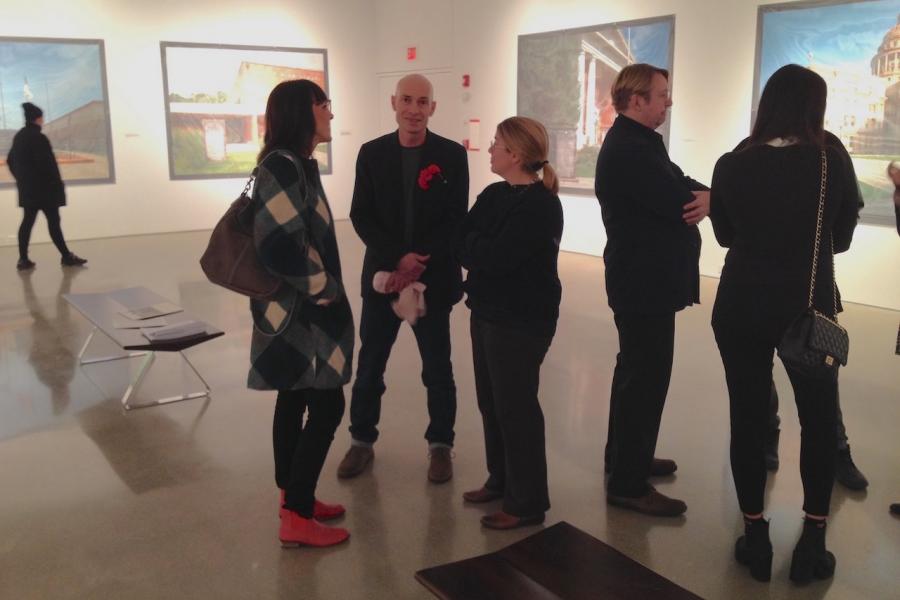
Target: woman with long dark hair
pixel 302 341
pixel 509 242
pixel 765 203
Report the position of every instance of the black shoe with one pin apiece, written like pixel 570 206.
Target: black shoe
pixel 772 450
pixel 754 549
pixel 24 264
pixel 811 559
pixel 847 473
pixel 659 467
pixel 72 260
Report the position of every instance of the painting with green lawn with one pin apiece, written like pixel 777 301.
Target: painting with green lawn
pixel 215 98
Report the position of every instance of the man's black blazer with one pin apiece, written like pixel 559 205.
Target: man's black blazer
pixel 377 213
pixel 651 255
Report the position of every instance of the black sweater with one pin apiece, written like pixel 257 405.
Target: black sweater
pixel 763 209
pixel 509 242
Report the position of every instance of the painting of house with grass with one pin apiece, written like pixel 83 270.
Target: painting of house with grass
pixel 564 81
pixel 66 78
pixel 216 102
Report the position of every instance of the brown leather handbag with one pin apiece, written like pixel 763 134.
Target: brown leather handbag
pixel 230 259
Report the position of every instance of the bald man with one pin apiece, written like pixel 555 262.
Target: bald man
pixel 411 191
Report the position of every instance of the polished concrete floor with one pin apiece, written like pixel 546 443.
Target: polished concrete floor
pixel 179 501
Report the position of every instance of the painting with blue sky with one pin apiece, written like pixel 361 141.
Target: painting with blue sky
pixel 66 79
pixel 564 81
pixel 855 47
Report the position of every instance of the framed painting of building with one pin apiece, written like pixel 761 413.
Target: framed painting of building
pixel 66 78
pixel 215 98
pixel 855 46
pixel 564 81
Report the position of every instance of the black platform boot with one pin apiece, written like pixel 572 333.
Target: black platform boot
pixel 811 559
pixel 754 549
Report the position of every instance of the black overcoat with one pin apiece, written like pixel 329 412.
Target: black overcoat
pixel 32 163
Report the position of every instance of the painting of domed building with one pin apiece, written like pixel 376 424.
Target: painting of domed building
pixel 855 47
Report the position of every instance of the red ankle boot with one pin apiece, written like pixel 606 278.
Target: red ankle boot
pixel 321 511
pixel 299 531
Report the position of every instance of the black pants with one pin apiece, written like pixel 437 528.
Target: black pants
pixel 639 387
pixel 507 365
pixel 748 371
pixel 53 224
pixel 775 421
pixel 300 450
pixel 378 331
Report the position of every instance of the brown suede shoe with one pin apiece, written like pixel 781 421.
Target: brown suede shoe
pixel 355 461
pixel 440 468
pixel 502 520
pixel 481 495
pixel 653 503
pixel 660 467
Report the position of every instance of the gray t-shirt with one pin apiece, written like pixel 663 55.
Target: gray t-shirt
pixel 410 159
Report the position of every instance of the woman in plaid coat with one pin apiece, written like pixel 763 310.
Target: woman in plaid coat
pixel 302 341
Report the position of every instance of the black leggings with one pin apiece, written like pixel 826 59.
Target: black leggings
pixel 300 450
pixel 56 234
pixel 748 372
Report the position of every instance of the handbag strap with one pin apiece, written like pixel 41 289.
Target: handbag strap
pixel 818 242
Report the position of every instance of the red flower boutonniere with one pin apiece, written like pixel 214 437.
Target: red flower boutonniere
pixel 427 174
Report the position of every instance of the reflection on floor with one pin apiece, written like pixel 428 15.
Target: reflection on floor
pixel 178 502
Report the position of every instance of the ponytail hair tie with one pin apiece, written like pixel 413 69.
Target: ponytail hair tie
pixel 540 164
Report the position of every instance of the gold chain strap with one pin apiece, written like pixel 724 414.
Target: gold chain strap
pixel 815 261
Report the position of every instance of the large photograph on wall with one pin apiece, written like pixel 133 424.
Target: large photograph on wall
pixel 564 80
pixel 216 97
pixel 855 47
pixel 66 78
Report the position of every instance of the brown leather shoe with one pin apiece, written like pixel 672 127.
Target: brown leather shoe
pixel 481 495
pixel 660 467
pixel 502 520
pixel 440 468
pixel 653 503
pixel 355 461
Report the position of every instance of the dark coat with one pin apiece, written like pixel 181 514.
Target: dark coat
pixel 378 209
pixel 32 163
pixel 763 209
pixel 304 337
pixel 509 243
pixel 651 256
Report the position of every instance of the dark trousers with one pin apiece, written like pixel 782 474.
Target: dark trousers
pixel 53 224
pixel 507 365
pixel 748 372
pixel 300 449
pixel 775 421
pixel 639 387
pixel 378 331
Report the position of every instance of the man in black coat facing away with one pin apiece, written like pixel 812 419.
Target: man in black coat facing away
pixel 411 192
pixel 650 211
pixel 32 163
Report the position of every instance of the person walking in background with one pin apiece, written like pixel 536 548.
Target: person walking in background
pixel 650 210
pixel 765 201
pixel 509 243
pixel 302 344
pixel 411 192
pixel 33 165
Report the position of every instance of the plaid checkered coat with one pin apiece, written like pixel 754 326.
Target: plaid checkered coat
pixel 304 337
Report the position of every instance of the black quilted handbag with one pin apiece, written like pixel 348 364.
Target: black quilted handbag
pixel 814 343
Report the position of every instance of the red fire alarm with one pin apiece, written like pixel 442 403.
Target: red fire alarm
pixel 411 53
pixel 467 81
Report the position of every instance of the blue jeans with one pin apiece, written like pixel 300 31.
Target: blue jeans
pixel 378 331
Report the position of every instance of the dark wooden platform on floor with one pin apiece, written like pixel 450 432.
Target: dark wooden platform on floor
pixel 559 563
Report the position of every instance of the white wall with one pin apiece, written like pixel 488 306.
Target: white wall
pixel 715 42
pixel 143 199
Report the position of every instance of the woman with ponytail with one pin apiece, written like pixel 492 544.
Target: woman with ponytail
pixel 509 242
